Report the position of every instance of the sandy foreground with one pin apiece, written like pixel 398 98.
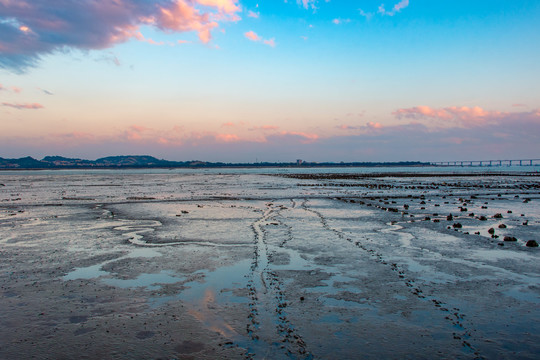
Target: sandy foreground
pixel 215 266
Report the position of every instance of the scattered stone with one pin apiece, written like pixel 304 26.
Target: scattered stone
pixel 457 226
pixel 498 216
pixel 502 226
pixel 450 217
pixel 532 243
pixel 482 218
pixel 491 231
pixel 509 238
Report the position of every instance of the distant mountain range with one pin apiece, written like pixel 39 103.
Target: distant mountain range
pixel 145 161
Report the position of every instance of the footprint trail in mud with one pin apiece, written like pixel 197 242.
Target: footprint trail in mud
pixel 268 318
pixel 454 316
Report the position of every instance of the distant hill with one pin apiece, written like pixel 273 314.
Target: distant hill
pixel 146 161
pixel 141 160
pixel 22 163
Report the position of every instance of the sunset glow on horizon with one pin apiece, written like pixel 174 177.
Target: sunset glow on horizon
pixel 240 80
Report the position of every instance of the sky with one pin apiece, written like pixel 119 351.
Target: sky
pixel 275 80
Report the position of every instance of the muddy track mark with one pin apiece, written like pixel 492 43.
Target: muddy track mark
pixel 267 318
pixel 453 315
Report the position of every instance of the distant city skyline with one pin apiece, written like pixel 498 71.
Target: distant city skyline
pixel 276 81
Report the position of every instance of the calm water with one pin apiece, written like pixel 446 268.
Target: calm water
pixel 295 170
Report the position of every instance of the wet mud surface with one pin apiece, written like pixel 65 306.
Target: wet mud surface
pixel 244 266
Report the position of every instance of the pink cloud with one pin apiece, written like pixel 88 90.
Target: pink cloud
pixel 37 28
pixel 15 89
pixel 466 115
pixel 374 125
pixel 32 106
pixel 253 14
pixel 251 35
pixel 270 42
pixel 227 138
pixel 511 135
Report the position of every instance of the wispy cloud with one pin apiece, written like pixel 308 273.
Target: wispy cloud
pixel 464 114
pixel 46 92
pixel 253 14
pixel 14 89
pixel 397 8
pixel 35 27
pixel 27 106
pixel 306 4
pixel 341 21
pixel 253 36
pixel 367 15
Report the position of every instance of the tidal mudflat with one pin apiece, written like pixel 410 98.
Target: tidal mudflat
pixel 306 266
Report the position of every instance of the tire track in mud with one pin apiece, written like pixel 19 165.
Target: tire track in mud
pixel 453 315
pixel 272 334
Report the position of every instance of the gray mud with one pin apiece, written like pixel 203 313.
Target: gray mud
pixel 213 266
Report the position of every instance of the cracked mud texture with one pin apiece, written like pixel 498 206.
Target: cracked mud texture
pixel 169 265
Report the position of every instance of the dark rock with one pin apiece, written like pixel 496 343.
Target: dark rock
pixel 498 216
pixel 457 226
pixel 502 226
pixel 531 243
pixel 509 238
pixel 450 217
pixel 482 218
pixel 491 231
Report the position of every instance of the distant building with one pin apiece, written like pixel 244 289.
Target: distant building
pixel 299 162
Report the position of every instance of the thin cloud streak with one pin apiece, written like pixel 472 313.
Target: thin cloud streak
pixel 29 106
pixel 397 8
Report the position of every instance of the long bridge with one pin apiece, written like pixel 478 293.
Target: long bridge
pixel 513 162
